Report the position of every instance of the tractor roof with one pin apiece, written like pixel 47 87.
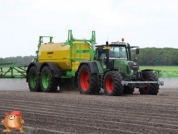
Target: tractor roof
pixel 117 44
pixel 113 44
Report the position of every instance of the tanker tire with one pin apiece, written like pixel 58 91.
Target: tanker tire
pixel 87 82
pixel 153 88
pixel 48 84
pixel 34 80
pixel 112 83
pixel 128 90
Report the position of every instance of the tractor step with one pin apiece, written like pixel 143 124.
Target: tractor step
pixel 100 79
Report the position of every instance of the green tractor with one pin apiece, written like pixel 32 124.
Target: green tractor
pixel 114 71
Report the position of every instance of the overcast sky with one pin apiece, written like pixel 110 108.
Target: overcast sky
pixel 146 23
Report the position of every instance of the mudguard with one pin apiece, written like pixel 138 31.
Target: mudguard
pixel 147 70
pixel 93 66
pixel 56 71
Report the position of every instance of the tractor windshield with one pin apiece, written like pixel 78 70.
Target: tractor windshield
pixel 118 52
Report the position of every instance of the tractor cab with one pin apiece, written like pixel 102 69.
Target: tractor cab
pixel 117 56
pixel 117 50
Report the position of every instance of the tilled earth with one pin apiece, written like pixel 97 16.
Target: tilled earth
pixel 69 112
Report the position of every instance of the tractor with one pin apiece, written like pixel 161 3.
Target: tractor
pixel 82 64
pixel 119 73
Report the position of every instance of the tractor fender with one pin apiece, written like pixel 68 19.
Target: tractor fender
pixel 150 70
pixel 147 70
pixel 93 66
pixel 109 70
pixel 56 71
pixel 36 64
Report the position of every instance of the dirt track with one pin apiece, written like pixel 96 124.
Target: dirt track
pixel 70 112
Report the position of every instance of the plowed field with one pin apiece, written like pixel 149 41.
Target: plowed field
pixel 69 112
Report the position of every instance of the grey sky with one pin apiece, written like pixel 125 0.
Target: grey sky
pixel 147 23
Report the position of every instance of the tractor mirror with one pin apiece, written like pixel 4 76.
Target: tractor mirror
pixel 137 50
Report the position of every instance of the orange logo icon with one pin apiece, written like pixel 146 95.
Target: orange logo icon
pixel 13 121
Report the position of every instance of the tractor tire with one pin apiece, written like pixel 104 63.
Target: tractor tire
pixel 153 88
pixel 128 90
pixel 34 80
pixel 87 82
pixel 112 83
pixel 48 84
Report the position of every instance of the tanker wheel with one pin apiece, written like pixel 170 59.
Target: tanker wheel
pixel 153 88
pixel 87 82
pixel 34 79
pixel 48 84
pixel 128 90
pixel 112 83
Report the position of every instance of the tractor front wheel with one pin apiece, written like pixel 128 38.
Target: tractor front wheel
pixel 112 83
pixel 34 79
pixel 87 82
pixel 153 88
pixel 48 84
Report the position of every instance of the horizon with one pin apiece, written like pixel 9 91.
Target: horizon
pixel 35 54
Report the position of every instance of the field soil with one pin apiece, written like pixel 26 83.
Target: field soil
pixel 69 112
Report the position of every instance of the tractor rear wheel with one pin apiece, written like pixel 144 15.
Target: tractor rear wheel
pixel 112 83
pixel 153 88
pixel 48 84
pixel 34 79
pixel 87 82
pixel 128 90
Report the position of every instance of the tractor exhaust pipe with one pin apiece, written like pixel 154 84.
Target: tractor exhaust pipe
pixel 107 55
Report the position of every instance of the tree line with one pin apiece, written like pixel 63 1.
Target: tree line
pixel 157 56
pixel 147 57
pixel 19 60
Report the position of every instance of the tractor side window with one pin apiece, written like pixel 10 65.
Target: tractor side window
pixel 101 54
